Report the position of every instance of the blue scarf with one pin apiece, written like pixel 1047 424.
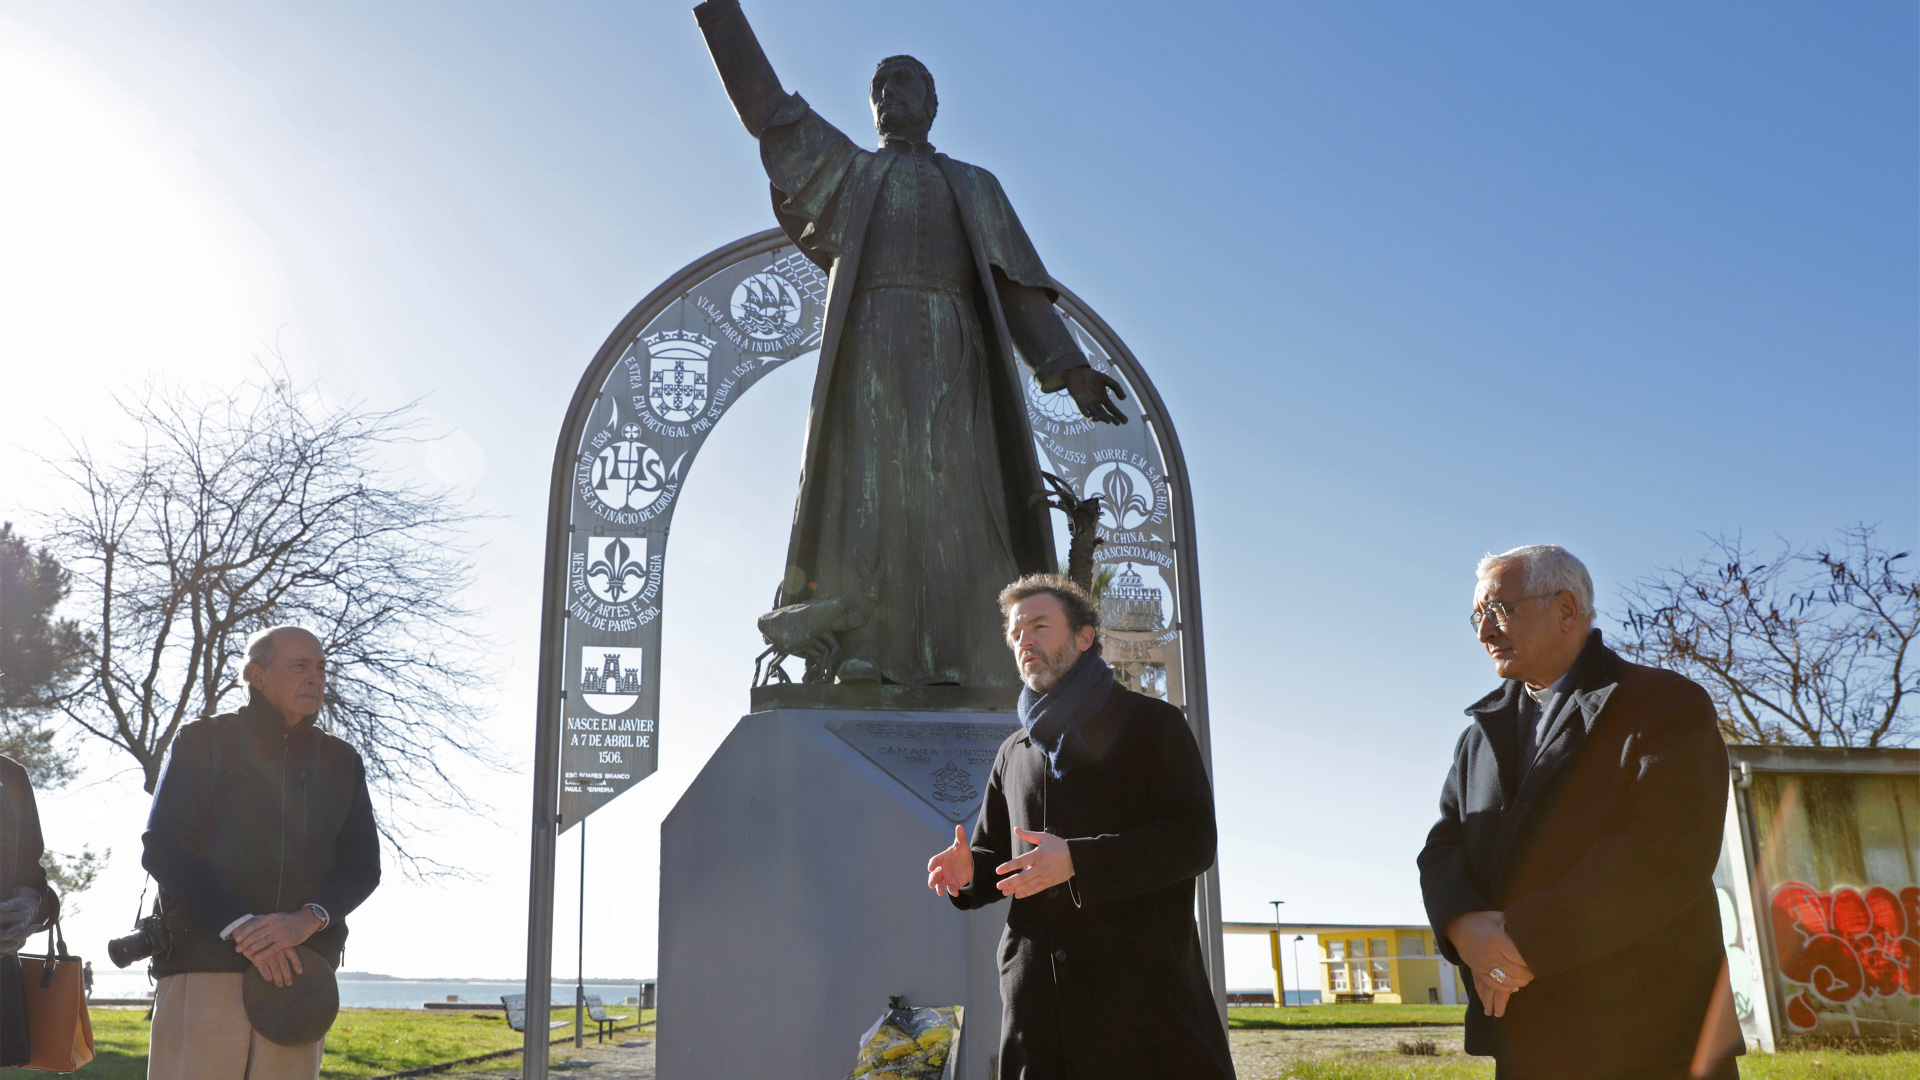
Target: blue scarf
pixel 1053 719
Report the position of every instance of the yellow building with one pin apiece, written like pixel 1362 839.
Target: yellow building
pixel 1360 962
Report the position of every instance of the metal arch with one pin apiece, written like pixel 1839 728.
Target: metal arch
pixel 1193 656
pixel 546 785
pixel 546 754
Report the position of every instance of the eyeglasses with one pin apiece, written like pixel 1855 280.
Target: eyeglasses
pixel 1502 610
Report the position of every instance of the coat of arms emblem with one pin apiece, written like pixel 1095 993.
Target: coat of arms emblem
pixel 677 377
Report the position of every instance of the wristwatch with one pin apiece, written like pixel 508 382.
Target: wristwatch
pixel 325 919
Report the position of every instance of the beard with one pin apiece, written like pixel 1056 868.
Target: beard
pixel 896 118
pixel 1054 667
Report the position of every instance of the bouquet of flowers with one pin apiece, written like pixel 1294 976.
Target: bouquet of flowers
pixel 910 1044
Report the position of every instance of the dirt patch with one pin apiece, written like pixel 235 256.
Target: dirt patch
pixel 1267 1053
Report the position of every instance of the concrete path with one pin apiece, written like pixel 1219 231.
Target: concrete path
pixel 630 1058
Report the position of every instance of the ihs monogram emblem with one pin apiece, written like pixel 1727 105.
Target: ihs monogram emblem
pixel 629 475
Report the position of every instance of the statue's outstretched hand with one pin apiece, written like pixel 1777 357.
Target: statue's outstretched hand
pixel 1089 389
pixel 952 870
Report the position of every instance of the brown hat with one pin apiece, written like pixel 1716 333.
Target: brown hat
pixel 298 1014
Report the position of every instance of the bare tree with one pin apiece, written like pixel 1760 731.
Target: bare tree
pixel 1812 648
pixel 262 506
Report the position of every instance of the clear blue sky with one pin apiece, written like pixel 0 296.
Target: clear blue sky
pixel 1418 281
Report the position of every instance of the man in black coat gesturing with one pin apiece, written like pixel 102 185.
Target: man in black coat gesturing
pixel 1571 869
pixel 1098 817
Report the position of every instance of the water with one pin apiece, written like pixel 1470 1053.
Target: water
pixel 386 994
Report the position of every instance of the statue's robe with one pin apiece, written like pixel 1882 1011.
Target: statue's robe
pixel 916 492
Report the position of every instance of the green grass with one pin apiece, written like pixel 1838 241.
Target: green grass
pixel 1414 1068
pixel 1334 1016
pixel 1831 1065
pixel 363 1042
pixel 1790 1065
pixel 369 1042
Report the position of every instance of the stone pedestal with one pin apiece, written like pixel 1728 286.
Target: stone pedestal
pixel 793 898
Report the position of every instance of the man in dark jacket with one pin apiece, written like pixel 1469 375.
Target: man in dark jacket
pixel 1571 869
pixel 27 903
pixel 262 840
pixel 1098 817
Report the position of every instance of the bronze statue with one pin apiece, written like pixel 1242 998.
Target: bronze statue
pixel 916 488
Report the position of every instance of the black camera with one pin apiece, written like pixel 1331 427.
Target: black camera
pixel 149 938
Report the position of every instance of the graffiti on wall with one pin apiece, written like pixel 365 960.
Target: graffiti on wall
pixel 1846 947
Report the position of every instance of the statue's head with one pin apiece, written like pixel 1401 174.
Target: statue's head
pixel 903 98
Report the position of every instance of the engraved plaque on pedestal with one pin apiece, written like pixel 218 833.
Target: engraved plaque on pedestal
pixel 944 763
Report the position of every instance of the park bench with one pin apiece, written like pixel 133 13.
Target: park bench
pixel 516 1006
pixel 597 1012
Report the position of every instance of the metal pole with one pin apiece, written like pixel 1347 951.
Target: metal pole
pixel 546 823
pixel 546 739
pixel 1296 970
pixel 580 959
pixel 1279 985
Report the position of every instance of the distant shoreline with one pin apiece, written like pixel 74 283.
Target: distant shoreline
pixel 369 976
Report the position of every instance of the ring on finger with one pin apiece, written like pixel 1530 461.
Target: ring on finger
pixel 1497 976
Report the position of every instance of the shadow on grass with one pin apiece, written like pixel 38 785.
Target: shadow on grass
pixel 107 1064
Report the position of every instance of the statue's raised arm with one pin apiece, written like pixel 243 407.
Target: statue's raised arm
pixel 751 84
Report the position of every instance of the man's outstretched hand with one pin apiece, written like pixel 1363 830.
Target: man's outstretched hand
pixel 1089 389
pixel 1480 937
pixel 1048 864
pixel 952 870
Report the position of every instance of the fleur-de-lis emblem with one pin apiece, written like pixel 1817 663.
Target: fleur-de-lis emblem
pixel 615 570
pixel 1123 502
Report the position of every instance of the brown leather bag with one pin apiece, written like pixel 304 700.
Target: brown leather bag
pixel 59 1030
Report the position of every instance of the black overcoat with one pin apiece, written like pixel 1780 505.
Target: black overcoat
pixel 1101 977
pixel 1602 860
pixel 250 817
pixel 20 851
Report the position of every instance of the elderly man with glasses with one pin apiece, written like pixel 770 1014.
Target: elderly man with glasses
pixel 1571 871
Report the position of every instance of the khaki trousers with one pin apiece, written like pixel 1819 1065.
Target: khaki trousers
pixel 200 1032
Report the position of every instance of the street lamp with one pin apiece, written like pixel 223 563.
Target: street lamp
pixel 1279 985
pixel 1302 989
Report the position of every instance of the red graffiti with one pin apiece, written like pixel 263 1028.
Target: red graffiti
pixel 1844 944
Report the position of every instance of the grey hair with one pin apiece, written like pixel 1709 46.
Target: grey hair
pixel 260 646
pixel 1546 568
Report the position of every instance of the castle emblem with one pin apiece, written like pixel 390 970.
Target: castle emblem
pixel 609 677
pixel 1129 602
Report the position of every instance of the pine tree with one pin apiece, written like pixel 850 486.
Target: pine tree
pixel 39 656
